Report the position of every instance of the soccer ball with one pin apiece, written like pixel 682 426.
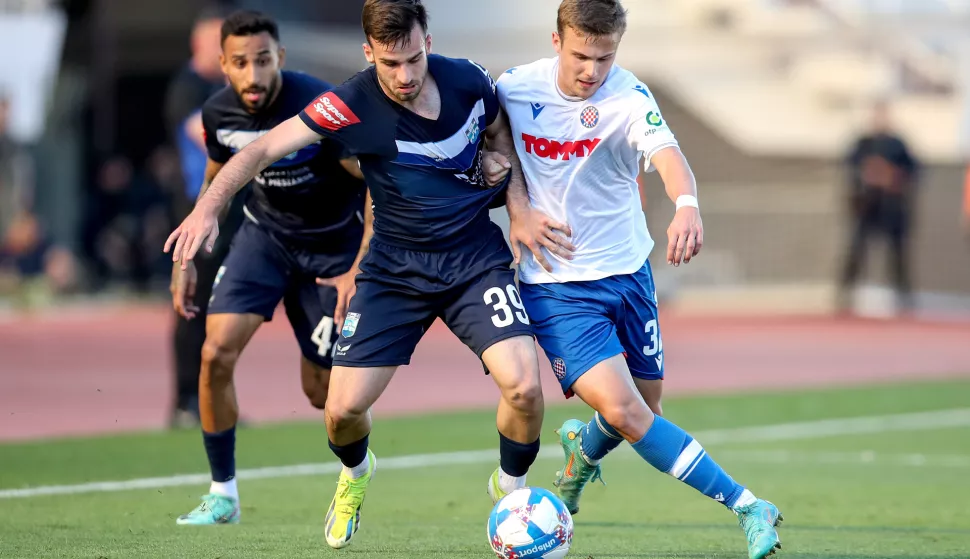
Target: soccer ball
pixel 532 523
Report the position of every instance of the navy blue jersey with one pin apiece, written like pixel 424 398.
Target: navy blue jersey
pixel 425 175
pixel 306 196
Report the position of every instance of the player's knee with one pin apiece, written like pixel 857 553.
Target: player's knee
pixel 218 360
pixel 631 418
pixel 344 413
pixel 525 395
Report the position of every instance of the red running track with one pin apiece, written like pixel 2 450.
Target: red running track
pixel 109 370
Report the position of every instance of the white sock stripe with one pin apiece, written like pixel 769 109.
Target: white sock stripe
pixel 686 458
pixel 599 423
pixel 694 465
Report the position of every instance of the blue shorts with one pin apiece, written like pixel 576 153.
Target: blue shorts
pixel 261 269
pixel 579 324
pixel 401 292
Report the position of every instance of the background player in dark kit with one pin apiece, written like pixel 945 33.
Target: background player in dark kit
pixel 303 221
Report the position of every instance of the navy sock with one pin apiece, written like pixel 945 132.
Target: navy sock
pixel 599 438
pixel 516 458
pixel 671 450
pixel 353 454
pixel 221 448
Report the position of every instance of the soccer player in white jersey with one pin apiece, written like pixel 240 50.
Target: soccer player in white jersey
pixel 582 125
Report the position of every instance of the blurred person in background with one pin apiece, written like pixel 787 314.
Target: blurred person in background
pixel 109 229
pixel 31 264
pixel 129 213
pixel 200 78
pixel 883 180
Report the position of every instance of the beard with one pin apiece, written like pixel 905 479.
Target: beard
pixel 266 94
pixel 403 96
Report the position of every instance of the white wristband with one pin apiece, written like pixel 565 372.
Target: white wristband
pixel 686 200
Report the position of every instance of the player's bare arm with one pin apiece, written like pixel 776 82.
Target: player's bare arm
pixel 202 225
pixel 346 284
pixel 527 226
pixel 685 236
pixel 184 280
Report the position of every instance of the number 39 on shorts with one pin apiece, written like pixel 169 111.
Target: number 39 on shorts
pixel 504 314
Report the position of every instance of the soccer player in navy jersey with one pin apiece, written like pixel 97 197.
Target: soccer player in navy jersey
pixel 303 221
pixel 418 124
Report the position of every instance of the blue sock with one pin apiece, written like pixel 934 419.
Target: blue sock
pixel 221 448
pixel 599 438
pixel 671 450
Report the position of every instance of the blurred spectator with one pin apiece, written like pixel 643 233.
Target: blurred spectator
pixel 31 265
pixel 883 180
pixel 110 226
pixel 32 268
pixel 192 85
pixel 161 193
pixel 130 216
pixel 190 88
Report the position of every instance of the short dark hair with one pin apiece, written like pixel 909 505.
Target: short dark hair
pixel 390 22
pixel 243 23
pixel 594 18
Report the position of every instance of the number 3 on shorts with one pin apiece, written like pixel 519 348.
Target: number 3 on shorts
pixel 500 304
pixel 656 342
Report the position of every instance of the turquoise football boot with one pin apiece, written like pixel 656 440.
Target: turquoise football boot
pixel 215 509
pixel 758 520
pixel 576 472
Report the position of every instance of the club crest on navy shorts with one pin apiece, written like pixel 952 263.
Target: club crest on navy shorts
pixel 350 324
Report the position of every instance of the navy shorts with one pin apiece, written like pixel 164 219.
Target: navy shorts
pixel 401 292
pixel 261 269
pixel 581 323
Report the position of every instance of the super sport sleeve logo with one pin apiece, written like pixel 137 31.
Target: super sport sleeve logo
pixel 331 113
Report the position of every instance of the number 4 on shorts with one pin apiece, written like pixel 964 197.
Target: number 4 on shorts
pixel 321 335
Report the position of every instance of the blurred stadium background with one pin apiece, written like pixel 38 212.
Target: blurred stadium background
pixel 767 97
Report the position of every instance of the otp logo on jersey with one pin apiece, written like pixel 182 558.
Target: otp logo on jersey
pixel 331 113
pixel 554 149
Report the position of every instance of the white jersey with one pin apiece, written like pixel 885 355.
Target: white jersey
pixel 581 159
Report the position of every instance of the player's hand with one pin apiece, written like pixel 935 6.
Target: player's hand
pixel 495 167
pixel 346 286
pixel 183 290
pixel 536 230
pixel 685 236
pixel 202 225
